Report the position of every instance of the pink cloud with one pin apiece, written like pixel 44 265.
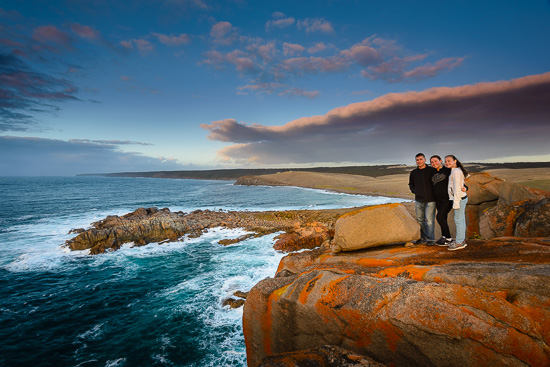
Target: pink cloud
pixel 299 92
pixel 318 47
pixel 302 65
pixel 84 31
pixel 173 40
pixel 315 25
pixel 431 70
pixel 127 44
pixel 51 34
pixel 223 33
pixel 291 49
pixel 280 21
pixel 479 121
pixel 394 70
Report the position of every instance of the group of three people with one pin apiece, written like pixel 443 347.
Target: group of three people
pixel 440 188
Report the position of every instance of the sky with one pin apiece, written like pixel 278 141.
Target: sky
pixel 103 86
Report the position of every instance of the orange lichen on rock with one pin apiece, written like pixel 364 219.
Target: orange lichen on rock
pixel 374 263
pixel 411 272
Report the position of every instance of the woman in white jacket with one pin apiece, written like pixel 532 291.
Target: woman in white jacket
pixel 459 198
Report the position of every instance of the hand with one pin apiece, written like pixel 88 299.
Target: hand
pixel 463 189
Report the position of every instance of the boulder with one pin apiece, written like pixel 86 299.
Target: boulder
pixel 527 218
pixel 486 305
pixel 482 187
pixel 374 226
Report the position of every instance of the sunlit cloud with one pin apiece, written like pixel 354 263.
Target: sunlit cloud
pixel 463 119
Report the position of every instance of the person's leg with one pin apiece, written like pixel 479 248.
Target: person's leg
pixel 420 209
pixel 443 209
pixel 460 221
pixel 430 221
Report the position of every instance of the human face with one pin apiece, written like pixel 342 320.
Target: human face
pixel 436 163
pixel 450 162
pixel 421 161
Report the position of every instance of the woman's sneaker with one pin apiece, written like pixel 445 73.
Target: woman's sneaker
pixel 456 246
pixel 442 242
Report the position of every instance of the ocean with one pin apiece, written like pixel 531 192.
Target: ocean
pixel 156 305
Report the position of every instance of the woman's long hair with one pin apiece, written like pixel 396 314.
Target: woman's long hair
pixel 459 165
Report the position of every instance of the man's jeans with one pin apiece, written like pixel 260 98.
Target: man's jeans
pixel 425 216
pixel 460 221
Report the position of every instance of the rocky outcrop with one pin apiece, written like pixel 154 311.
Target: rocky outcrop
pixel 487 305
pixel 308 236
pixel 374 226
pixel 485 192
pixel 527 218
pixel 326 356
pixel 306 228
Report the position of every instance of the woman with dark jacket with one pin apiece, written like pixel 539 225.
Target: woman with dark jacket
pixel 440 182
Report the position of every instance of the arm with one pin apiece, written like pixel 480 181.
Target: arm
pixel 411 182
pixel 457 189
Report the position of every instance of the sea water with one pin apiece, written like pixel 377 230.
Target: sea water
pixel 156 305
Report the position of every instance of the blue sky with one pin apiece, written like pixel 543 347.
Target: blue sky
pixel 109 86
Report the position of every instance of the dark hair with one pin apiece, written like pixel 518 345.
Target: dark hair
pixel 420 155
pixel 435 156
pixel 459 165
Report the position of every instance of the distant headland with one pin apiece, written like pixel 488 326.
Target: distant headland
pixel 371 171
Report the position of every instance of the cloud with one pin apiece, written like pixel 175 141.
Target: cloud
pixel 37 156
pixel 223 33
pixel 279 21
pixel 395 71
pixel 291 49
pixel 173 40
pixel 51 34
pixel 84 31
pixel 311 25
pixel 318 47
pixel 474 122
pixel 25 92
pixel 265 63
pixel 108 142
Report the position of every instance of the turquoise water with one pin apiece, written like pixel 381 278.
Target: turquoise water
pixel 156 305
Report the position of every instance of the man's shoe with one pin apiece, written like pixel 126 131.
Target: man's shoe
pixel 441 242
pixel 456 246
pixel 430 243
pixel 421 241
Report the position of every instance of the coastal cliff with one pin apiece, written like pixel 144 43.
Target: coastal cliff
pixel 488 305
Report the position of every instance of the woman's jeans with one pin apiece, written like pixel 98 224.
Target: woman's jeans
pixel 460 221
pixel 425 216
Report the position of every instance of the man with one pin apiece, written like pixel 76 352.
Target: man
pixel 420 183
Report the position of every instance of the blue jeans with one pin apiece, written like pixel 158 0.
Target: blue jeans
pixel 460 221
pixel 425 216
